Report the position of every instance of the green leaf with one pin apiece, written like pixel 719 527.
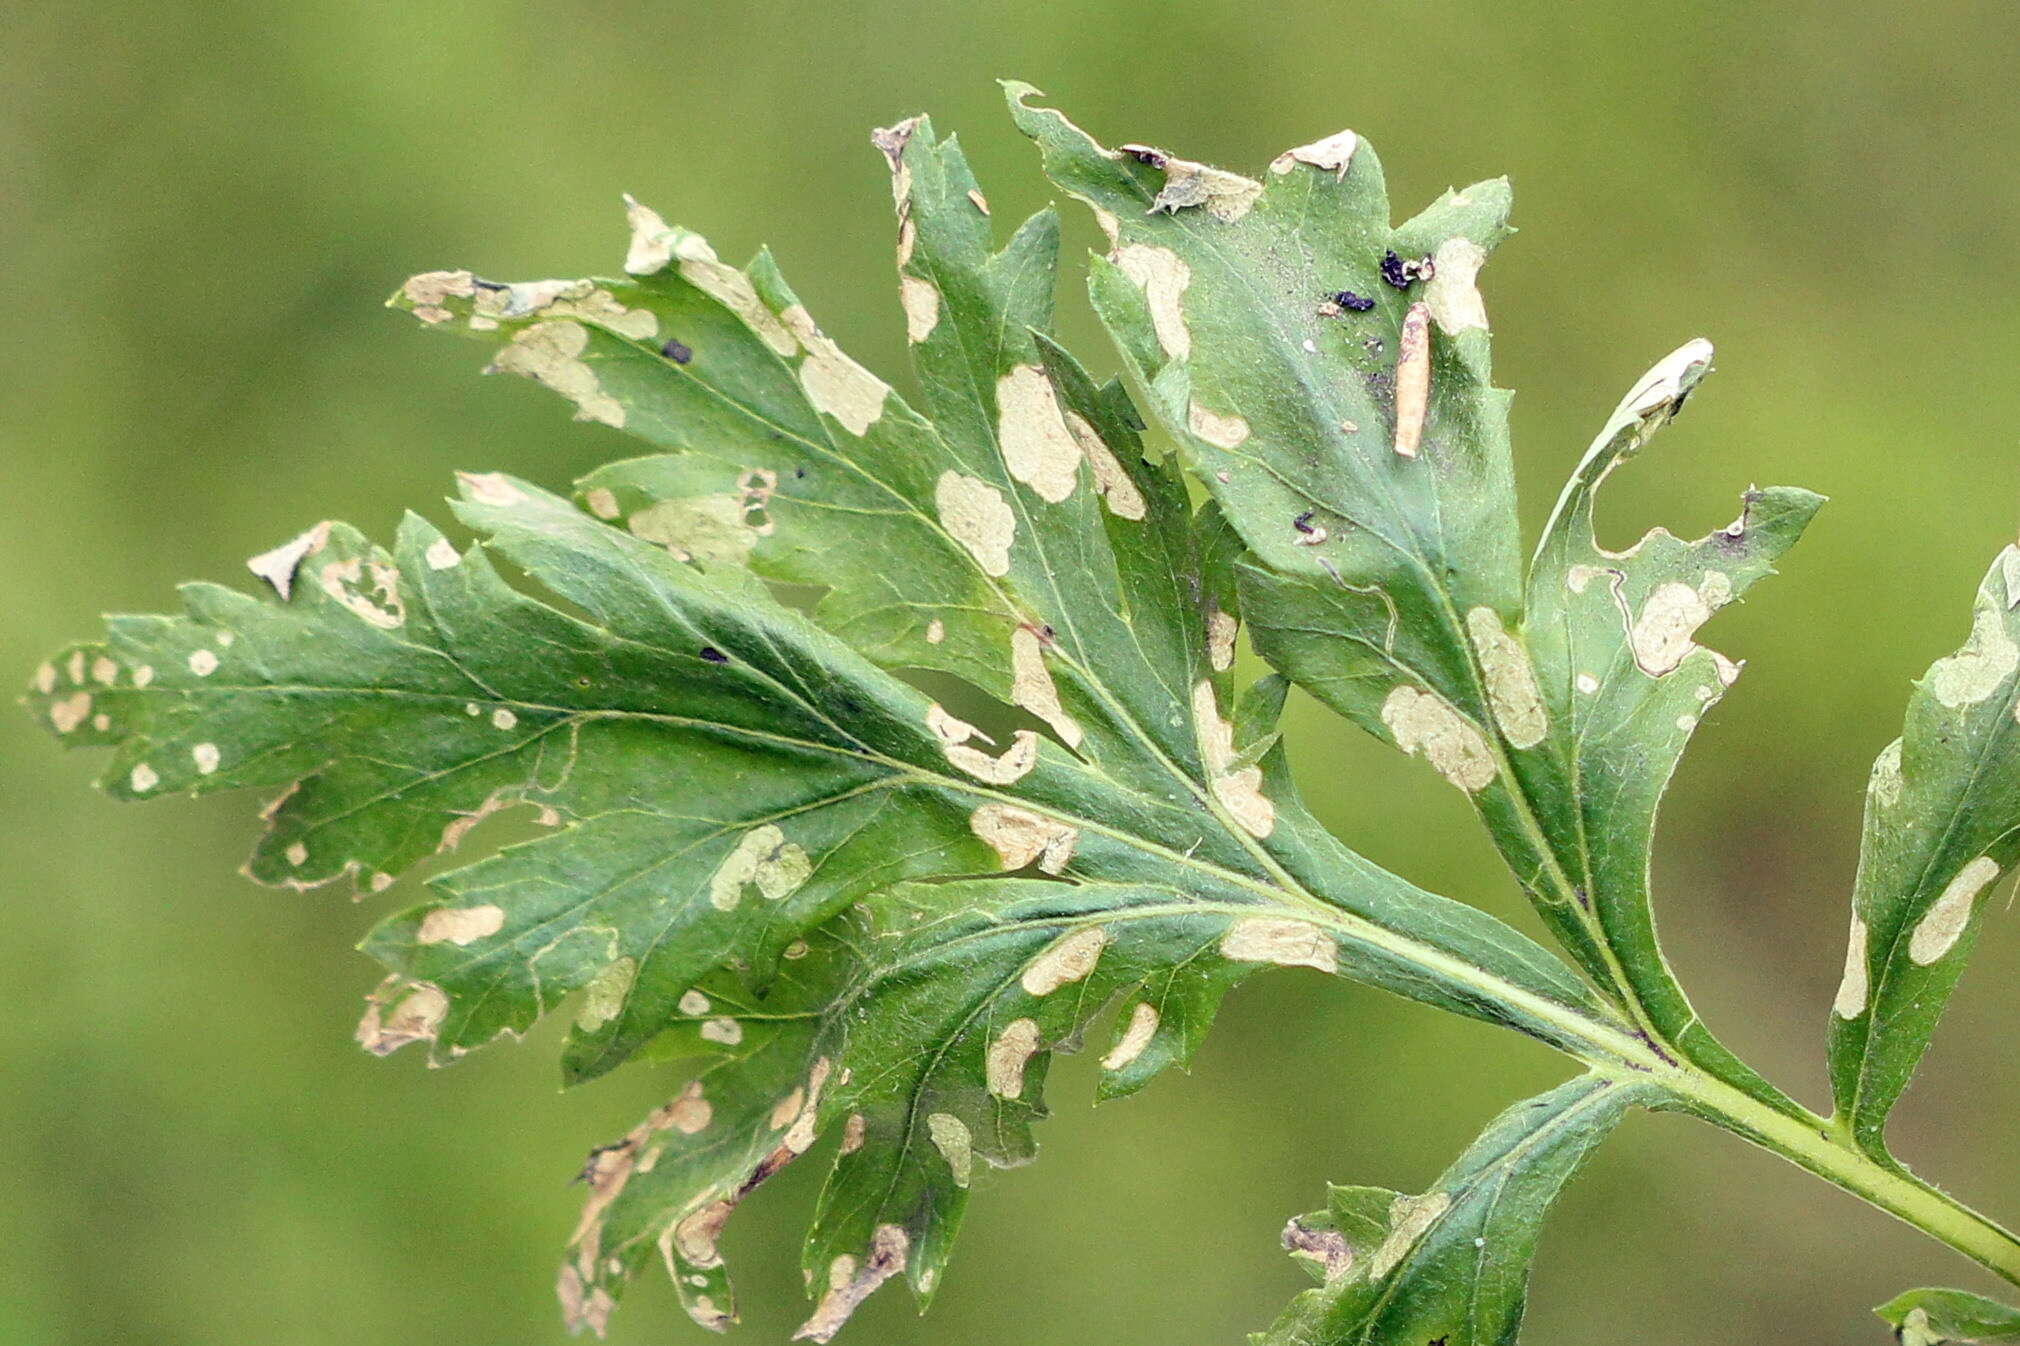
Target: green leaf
pixel 1942 827
pixel 1613 637
pixel 779 859
pixel 1935 1317
pixel 1451 1264
pixel 665 1189
pixel 1328 378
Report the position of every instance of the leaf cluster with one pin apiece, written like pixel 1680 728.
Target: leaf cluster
pixel 888 745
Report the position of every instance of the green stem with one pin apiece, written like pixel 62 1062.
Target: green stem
pixel 1825 1149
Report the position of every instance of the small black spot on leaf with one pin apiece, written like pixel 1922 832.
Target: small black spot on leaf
pixel 714 655
pixel 677 351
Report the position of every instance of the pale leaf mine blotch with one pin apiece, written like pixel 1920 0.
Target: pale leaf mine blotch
pixel 974 514
pixel 1069 959
pixel 1163 276
pixel 550 354
pixel 1239 791
pixel 1112 481
pixel 850 1282
pixel 1409 1219
pixel 1511 681
pixel 1012 765
pixel 1421 721
pixel 833 382
pixel 951 1137
pixel 1413 379
pixel 1280 940
pixel 763 857
pixel 1974 672
pixel 1038 448
pixel 1008 1054
pixel 1031 685
pixel 1021 837
pixel 460 926
pixel 1944 923
pixel 921 302
pixel 1334 154
pixel 66 713
pixel 1221 430
pixel 1136 1036
pixel 1852 991
pixel 1661 637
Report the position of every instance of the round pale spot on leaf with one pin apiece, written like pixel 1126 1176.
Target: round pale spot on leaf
pixel 726 1031
pixel 66 713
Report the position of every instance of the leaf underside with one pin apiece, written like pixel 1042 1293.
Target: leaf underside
pixel 777 860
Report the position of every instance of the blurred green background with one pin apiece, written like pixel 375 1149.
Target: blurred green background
pixel 203 206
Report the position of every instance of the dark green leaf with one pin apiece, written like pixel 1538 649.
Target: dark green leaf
pixel 1942 827
pixel 775 859
pixel 1936 1317
pixel 1612 635
pixel 1452 1264
pixel 1328 378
